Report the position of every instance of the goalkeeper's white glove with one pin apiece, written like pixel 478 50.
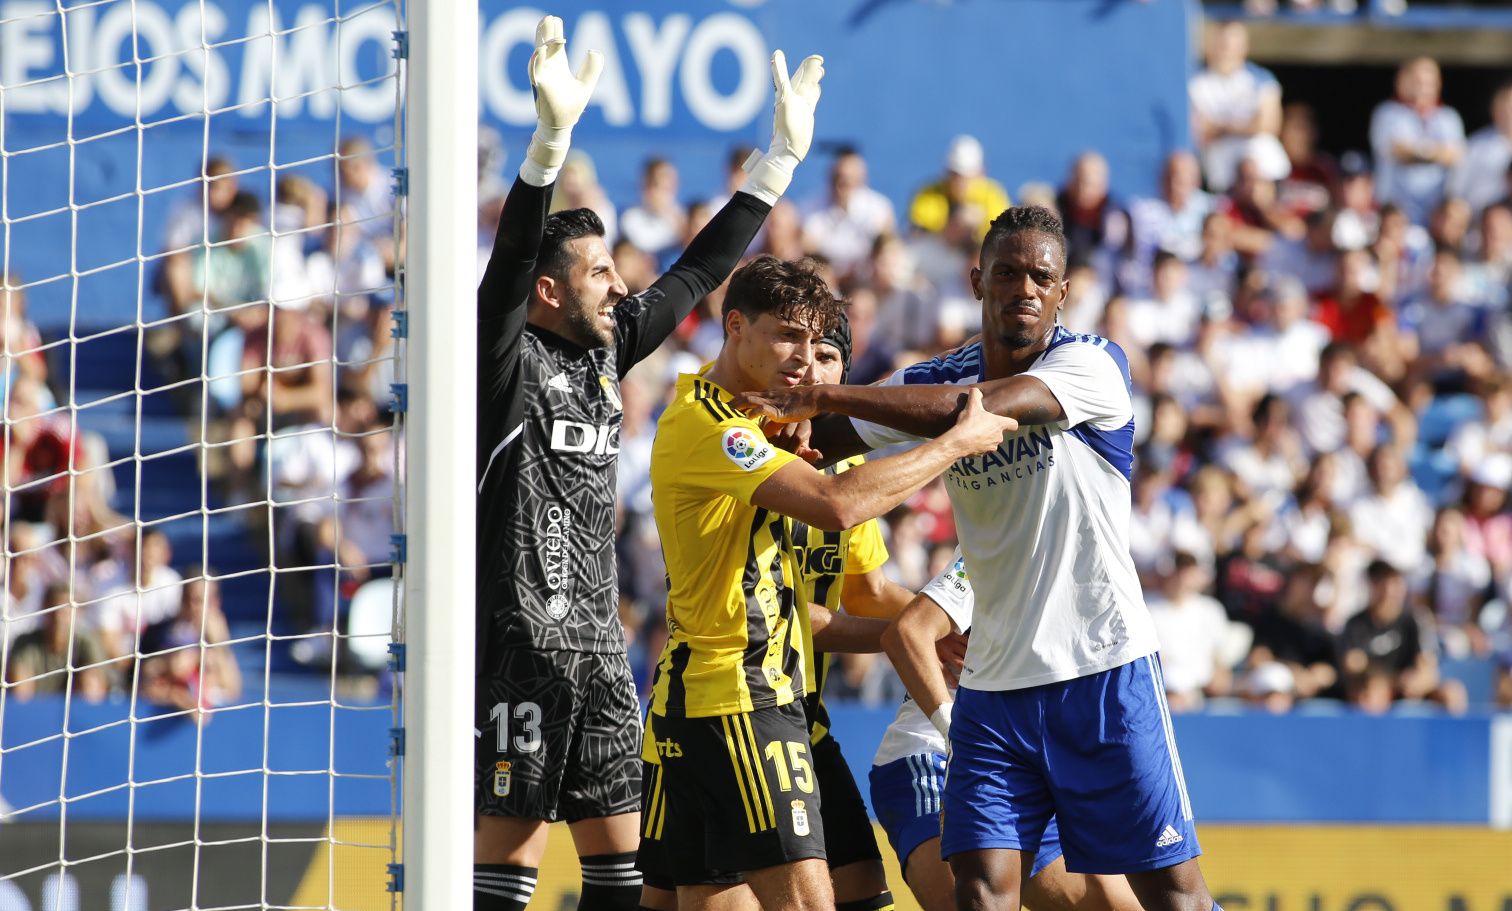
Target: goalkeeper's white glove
pixel 560 98
pixel 768 174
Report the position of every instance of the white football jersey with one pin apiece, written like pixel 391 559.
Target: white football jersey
pixel 1044 522
pixel 911 730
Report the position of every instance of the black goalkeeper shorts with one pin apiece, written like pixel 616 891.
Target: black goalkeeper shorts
pixel 558 736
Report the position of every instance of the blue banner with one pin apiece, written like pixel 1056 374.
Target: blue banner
pixel 1037 81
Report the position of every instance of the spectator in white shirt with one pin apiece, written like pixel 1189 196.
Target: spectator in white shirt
pixel 1173 221
pixel 1191 628
pixel 1394 517
pixel 186 225
pixel 1285 347
pixel 657 222
pixel 123 613
pixel 362 190
pixel 1236 110
pixel 577 187
pixel 1416 140
pixel 1319 405
pixel 1172 312
pixel 1454 585
pixel 1481 177
pixel 1477 440
pixel 843 225
pixel 1270 464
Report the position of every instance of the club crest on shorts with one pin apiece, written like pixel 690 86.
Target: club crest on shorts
pixel 502 778
pixel 800 818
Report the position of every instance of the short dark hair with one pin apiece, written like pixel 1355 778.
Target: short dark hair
pixel 244 204
pixel 553 259
pixel 787 290
pixel 1379 571
pixel 1018 219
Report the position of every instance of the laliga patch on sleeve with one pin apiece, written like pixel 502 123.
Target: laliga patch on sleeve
pixel 746 449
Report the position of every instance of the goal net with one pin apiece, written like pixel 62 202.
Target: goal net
pixel 202 206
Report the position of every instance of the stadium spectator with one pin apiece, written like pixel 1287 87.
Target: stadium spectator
pixel 1488 526
pixel 37 452
pixel 1489 273
pixel 577 187
pixel 1452 586
pixel 1355 222
pixel 362 190
pixel 1236 110
pixel 235 270
pixel 62 656
pixel 365 504
pixel 186 225
pixel 1268 464
pixel 844 223
pixel 1214 272
pixel 1258 216
pixel 908 314
pixel 287 369
pixel 188 663
pixel 1096 225
pixel 1416 140
pixel 1271 686
pixel 1283 345
pixel 1473 442
pixel 1309 188
pixel 657 223
pixel 1171 222
pixel 1481 177
pixel 1385 645
pixel 1171 313
pixel 964 186
pixel 134 594
pixel 345 270
pixel 1393 516
pixel 21 352
pixel 1294 636
pixel 1191 627
pixel 1442 333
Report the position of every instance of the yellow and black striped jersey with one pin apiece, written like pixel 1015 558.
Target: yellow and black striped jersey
pixel 736 617
pixel 826 558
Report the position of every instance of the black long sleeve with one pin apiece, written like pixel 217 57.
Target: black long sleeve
pixel 505 289
pixel 652 315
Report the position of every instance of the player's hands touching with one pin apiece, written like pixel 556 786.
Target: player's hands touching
pixel 560 97
pixel 978 430
pixel 794 438
pixel 779 406
pixel 792 127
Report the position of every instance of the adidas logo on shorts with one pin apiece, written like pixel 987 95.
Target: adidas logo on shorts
pixel 1167 838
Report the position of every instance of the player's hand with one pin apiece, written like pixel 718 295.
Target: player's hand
pixel 779 406
pixel 978 430
pixel 560 97
pixel 952 654
pixel 794 438
pixel 792 127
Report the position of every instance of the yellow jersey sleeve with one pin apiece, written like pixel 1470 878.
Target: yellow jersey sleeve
pixel 724 451
pixel 866 550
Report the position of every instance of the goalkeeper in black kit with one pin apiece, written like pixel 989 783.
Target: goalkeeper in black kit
pixel 557 719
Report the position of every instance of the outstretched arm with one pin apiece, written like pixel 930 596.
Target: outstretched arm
pixel 923 411
pixel 910 645
pixel 834 631
pixel 715 251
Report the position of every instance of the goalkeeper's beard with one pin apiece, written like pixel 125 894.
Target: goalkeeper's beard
pixel 582 322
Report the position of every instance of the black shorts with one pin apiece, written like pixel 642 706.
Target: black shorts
pixel 729 794
pixel 559 736
pixel 848 833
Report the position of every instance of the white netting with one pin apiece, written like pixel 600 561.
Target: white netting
pixel 201 476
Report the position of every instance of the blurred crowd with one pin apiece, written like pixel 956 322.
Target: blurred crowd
pixel 285 309
pixel 1320 344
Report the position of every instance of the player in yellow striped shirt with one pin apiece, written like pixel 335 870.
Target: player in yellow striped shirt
pixel 736 791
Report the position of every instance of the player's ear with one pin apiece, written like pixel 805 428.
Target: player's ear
pixel 734 323
pixel 548 291
pixel 976 282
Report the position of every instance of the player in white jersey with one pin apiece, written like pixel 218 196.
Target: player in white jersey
pixel 1061 710
pixel 908 773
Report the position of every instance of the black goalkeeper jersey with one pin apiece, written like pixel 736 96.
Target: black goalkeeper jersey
pixel 548 433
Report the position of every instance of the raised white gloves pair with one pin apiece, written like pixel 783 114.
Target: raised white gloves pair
pixel 561 98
